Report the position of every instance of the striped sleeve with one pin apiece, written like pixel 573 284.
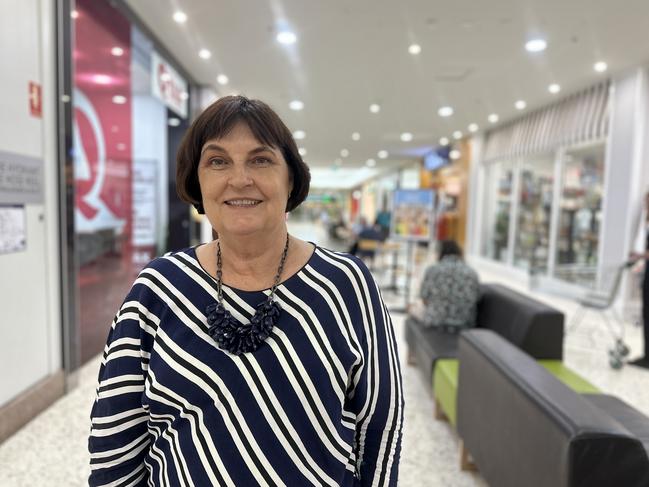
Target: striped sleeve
pixel 119 439
pixel 378 396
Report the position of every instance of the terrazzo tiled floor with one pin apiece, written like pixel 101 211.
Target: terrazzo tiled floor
pixel 51 450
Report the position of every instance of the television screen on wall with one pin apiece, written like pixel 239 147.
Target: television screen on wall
pixel 437 158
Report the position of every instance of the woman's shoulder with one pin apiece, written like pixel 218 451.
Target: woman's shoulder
pixel 344 268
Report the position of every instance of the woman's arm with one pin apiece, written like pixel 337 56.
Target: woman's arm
pixel 378 398
pixel 119 439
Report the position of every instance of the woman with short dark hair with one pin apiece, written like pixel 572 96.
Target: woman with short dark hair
pixel 254 359
pixel 450 290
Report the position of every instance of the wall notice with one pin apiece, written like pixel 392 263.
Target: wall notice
pixel 13 235
pixel 21 179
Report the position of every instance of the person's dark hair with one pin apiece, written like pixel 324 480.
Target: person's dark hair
pixel 217 121
pixel 446 248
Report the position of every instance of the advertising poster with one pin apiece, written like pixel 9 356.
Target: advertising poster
pixel 412 214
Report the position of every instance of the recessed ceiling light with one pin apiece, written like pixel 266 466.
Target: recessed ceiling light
pixel 344 153
pixel 444 141
pixel 299 134
pixel 414 49
pixel 74 14
pixel 370 163
pixel 554 88
pixel 173 122
pixel 406 137
pixel 600 66
pixel 117 51
pixel 374 108
pixel 296 105
pixel 204 54
pixel 536 45
pixel 180 16
pixel 356 136
pixel 383 154
pixel 119 99
pixel 222 79
pixel 520 105
pixel 286 37
pixel 455 154
pixel 457 135
pixel 302 151
pixel 165 77
pixel 493 118
pixel 445 111
pixel 184 95
pixel 473 127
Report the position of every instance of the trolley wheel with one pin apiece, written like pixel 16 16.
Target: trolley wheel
pixel 622 348
pixel 615 362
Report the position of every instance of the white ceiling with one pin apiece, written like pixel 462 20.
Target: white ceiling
pixel 352 53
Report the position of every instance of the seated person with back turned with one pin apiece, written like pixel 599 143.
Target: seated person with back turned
pixel 450 290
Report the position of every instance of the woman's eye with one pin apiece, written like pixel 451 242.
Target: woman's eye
pixel 216 162
pixel 261 160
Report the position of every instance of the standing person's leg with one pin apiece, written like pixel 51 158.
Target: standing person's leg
pixel 643 361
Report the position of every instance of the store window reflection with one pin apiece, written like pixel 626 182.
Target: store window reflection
pixel 580 215
pixel 532 242
pixel 499 179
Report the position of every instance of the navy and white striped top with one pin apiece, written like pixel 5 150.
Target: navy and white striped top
pixel 319 403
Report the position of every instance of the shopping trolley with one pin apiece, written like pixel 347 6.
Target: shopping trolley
pixel 602 303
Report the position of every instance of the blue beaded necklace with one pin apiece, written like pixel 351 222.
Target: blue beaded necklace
pixel 228 332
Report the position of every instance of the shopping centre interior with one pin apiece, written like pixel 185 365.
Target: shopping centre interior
pixel 517 129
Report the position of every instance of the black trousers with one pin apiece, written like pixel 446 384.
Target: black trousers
pixel 645 308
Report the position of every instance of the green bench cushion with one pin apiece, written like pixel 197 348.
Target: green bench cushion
pixel 445 378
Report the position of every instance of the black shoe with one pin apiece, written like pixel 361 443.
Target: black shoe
pixel 640 362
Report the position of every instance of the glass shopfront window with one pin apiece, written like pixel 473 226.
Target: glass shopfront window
pixel 536 185
pixel 580 215
pixel 499 180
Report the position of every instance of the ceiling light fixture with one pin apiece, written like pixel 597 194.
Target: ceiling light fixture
pixel 520 105
pixel 383 154
pixel 600 66
pixel 180 17
pixel 406 137
pixel 457 135
pixel 74 14
pixel 117 51
pixel 299 134
pixel 173 122
pixel 554 88
pixel 344 153
pixel 370 163
pixel 493 118
pixel 222 79
pixel 536 45
pixel 444 141
pixel 119 99
pixel 302 151
pixel 356 136
pixel 445 111
pixel 286 37
pixel 204 54
pixel 473 127
pixel 455 154
pixel 414 49
pixel 102 79
pixel 375 108
pixel 296 105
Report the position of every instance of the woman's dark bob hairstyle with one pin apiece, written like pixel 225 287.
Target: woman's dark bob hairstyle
pixel 217 121
pixel 446 248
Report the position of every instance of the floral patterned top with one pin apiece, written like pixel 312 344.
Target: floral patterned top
pixel 450 291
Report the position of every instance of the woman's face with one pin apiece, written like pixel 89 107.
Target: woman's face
pixel 245 184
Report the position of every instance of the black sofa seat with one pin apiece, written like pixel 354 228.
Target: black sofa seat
pixel 522 426
pixel 529 324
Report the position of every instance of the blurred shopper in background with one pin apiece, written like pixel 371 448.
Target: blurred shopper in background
pixel 643 361
pixel 257 358
pixel 450 290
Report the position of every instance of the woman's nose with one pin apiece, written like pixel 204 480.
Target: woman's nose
pixel 240 176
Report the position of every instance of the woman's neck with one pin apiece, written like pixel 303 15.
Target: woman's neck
pixel 252 259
